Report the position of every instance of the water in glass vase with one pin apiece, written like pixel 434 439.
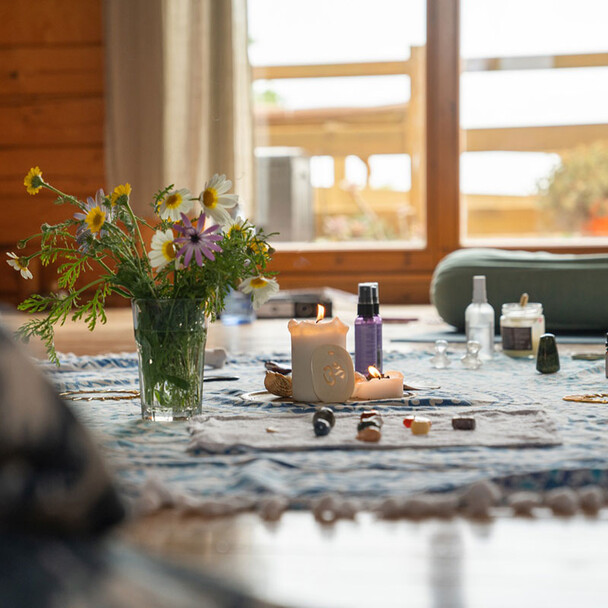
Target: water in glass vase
pixel 170 337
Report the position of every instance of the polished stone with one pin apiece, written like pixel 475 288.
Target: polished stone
pixel 407 421
pixel 326 414
pixel 463 423
pixel 321 427
pixel 370 433
pixel 369 423
pixel 547 359
pixel 369 414
pixel 421 426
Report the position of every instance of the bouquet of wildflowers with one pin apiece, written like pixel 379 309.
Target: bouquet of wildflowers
pixel 197 250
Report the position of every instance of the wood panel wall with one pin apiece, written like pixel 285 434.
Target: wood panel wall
pixel 51 115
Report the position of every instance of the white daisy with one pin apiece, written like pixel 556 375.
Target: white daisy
pixel 163 248
pixel 215 201
pixel 20 265
pixel 261 288
pixel 174 203
pixel 237 226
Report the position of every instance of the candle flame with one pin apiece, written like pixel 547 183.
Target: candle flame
pixel 374 372
pixel 320 312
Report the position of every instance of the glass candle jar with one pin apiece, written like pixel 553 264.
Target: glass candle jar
pixel 521 328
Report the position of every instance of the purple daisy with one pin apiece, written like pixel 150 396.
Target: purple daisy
pixel 196 241
pixel 94 215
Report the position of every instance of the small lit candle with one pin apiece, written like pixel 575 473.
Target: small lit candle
pixel 306 336
pixel 379 386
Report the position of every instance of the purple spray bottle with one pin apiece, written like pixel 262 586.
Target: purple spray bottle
pixel 368 329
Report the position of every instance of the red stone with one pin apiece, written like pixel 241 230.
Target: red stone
pixel 407 421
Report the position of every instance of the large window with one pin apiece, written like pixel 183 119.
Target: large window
pixel 421 127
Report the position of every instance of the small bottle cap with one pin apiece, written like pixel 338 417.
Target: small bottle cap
pixel 365 304
pixel 366 293
pixel 479 289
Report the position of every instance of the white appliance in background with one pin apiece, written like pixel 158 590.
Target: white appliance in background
pixel 284 194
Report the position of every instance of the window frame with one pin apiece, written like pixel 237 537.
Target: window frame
pixel 404 274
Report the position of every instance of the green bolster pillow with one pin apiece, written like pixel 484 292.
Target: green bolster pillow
pixel 573 288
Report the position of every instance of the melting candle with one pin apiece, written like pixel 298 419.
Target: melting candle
pixel 379 386
pixel 306 336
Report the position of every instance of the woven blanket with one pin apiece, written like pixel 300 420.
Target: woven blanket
pixel 294 432
pixel 141 451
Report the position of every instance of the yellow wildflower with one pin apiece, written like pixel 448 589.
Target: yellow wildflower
pixel 33 180
pixel 122 190
pixel 258 246
pixel 95 219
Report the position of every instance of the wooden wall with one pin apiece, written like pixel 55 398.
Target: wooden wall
pixel 51 115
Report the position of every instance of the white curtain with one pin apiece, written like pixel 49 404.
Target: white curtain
pixel 178 96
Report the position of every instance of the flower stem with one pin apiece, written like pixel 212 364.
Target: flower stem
pixel 135 221
pixel 63 195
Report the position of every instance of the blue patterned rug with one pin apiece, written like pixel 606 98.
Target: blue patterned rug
pixel 138 451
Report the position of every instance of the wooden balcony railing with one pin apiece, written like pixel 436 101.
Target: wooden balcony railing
pixel 399 129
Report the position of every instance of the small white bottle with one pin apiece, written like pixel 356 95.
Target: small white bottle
pixel 479 319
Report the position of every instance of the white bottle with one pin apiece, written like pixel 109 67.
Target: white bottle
pixel 479 319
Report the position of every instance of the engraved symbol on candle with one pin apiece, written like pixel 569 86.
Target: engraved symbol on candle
pixel 334 371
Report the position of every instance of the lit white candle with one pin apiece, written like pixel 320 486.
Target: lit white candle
pixel 381 386
pixel 306 336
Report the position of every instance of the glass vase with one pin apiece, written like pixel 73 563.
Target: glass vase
pixel 170 337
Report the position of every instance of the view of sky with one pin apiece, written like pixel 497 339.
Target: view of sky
pixel 335 31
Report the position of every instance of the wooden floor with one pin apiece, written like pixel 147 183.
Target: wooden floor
pixel 546 562
pixel 510 562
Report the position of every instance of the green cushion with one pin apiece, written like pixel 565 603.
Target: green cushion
pixel 573 288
